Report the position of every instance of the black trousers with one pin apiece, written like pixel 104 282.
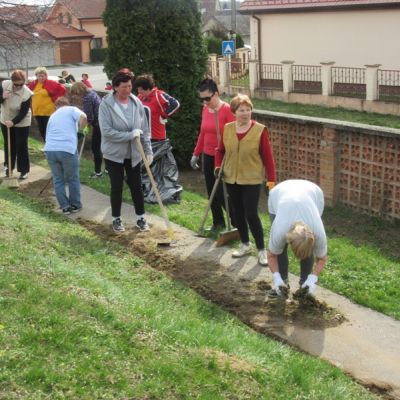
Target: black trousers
pixel 283 262
pixel 218 203
pixel 96 148
pixel 19 148
pixel 133 180
pixel 244 200
pixel 42 121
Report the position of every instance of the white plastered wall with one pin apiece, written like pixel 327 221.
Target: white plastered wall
pixel 350 38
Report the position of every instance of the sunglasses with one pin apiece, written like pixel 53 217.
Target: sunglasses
pixel 207 98
pixel 18 84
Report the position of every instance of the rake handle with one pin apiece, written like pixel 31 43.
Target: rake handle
pixel 9 151
pixel 153 184
pixel 212 195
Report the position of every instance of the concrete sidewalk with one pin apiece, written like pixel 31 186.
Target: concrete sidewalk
pixel 367 345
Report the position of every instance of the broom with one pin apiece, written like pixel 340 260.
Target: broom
pixel 9 181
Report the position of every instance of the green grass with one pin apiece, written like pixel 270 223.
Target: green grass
pixel 81 318
pixel 337 113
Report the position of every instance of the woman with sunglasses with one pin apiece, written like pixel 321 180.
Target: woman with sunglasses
pixel 216 113
pixel 15 100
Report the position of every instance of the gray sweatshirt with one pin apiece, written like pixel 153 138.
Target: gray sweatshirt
pixel 117 131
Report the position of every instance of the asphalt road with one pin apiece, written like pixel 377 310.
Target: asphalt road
pixel 96 74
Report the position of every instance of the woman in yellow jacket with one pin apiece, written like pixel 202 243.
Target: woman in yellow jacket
pixel 45 93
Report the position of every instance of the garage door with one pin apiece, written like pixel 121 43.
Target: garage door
pixel 70 52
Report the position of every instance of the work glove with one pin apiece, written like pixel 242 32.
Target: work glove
pixel 136 133
pixel 310 283
pixel 193 162
pixel 83 132
pixel 269 186
pixel 149 158
pixel 278 282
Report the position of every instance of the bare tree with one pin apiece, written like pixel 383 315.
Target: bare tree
pixel 20 32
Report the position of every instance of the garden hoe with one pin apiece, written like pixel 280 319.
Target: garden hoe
pixel 170 231
pixel 9 181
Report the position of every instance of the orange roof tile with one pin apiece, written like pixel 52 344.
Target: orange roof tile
pixel 59 31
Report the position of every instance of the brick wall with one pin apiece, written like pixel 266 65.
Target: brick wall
pixel 354 164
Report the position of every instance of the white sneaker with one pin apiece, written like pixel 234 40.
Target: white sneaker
pixel 244 249
pixel 262 258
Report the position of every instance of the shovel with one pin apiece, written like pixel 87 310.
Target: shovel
pixel 170 231
pixel 229 235
pixel 226 236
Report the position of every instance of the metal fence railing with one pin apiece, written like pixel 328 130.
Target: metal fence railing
pixel 270 76
pixel 388 85
pixel 239 74
pixel 345 81
pixel 349 82
pixel 307 79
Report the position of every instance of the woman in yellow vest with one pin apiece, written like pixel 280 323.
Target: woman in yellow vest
pixel 248 162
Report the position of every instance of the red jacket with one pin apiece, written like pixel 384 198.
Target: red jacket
pixel 208 138
pixel 54 89
pixel 161 106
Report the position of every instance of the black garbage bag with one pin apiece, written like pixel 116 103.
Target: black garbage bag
pixel 165 172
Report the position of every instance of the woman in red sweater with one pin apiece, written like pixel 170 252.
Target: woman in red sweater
pixel 248 162
pixel 214 110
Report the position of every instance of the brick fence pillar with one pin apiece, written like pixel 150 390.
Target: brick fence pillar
pixel 329 168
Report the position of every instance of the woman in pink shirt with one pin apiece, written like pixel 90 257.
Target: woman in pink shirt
pixel 214 110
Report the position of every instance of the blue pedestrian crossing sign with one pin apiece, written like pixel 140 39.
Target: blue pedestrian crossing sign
pixel 228 47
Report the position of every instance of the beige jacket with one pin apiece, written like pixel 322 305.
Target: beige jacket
pixel 10 107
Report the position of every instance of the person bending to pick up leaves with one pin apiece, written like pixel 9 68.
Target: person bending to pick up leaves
pixel 295 208
pixel 248 158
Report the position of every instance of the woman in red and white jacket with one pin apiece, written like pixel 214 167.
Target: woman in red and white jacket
pixel 214 110
pixel 248 162
pixel 160 104
pixel 45 93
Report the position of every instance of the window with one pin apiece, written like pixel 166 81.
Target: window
pixel 97 43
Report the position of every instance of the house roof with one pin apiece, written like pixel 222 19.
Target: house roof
pixel 58 31
pixel 84 9
pixel 265 6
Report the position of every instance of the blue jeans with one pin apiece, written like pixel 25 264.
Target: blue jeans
pixel 65 170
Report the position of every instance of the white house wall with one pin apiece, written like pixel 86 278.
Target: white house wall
pixel 31 55
pixel 350 38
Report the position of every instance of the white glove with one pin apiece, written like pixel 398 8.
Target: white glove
pixel 149 158
pixel 278 281
pixel 193 162
pixel 310 283
pixel 163 121
pixel 136 133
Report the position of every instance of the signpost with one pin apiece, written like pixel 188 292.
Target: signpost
pixel 228 50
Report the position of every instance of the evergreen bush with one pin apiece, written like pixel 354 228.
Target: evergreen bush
pixel 161 37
